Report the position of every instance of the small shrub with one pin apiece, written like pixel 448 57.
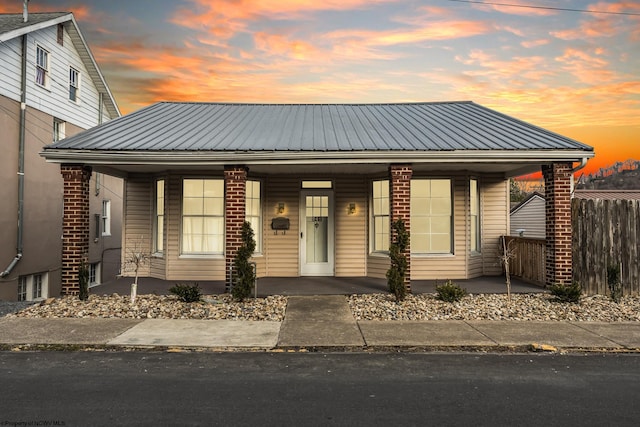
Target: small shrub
pixel 244 278
pixel 450 292
pixel 566 293
pixel 187 293
pixel 398 269
pixel 83 278
pixel 614 283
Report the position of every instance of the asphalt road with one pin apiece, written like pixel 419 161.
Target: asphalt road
pixel 314 389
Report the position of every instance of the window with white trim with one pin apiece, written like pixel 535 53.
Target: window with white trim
pixel 202 216
pixel 59 130
pixel 106 218
pixel 380 216
pixel 74 84
pixel 33 287
pixel 159 217
pixel 94 274
pixel 42 66
pixel 474 214
pixel 431 216
pixel 253 211
pixel 36 287
pixel 22 288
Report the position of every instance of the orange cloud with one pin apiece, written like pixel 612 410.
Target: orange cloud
pixel 516 7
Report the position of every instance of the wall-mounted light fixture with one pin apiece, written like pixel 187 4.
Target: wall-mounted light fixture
pixel 281 207
pixel 352 209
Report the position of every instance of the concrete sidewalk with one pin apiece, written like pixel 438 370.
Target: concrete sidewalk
pixel 318 323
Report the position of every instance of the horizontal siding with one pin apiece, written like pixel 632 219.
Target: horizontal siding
pixel 10 68
pixel 281 249
pixel 377 266
pixel 351 230
pixel 137 222
pixel 495 221
pixel 531 218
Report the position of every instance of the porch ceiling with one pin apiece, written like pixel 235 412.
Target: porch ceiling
pixel 325 169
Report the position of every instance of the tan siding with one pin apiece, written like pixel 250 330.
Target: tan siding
pixel 377 266
pixel 424 267
pixel 137 221
pixel 495 220
pixel 185 268
pixel 281 250
pixel 531 218
pixel 351 230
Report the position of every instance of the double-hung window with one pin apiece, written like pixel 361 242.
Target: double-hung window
pixel 59 130
pixel 202 216
pixel 474 215
pixel 380 213
pixel 22 288
pixel 42 66
pixel 37 286
pixel 159 223
pixel 106 217
pixel 253 210
pixel 74 84
pixel 431 216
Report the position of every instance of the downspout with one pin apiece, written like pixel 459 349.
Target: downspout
pixel 23 113
pixel 583 163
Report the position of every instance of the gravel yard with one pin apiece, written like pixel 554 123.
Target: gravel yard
pixel 538 307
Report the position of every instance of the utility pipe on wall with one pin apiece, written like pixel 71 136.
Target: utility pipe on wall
pixel 23 114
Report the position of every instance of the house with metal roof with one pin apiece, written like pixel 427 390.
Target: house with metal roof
pixel 50 88
pixel 320 185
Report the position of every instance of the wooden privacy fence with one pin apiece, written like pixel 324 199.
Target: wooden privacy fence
pixel 528 262
pixel 606 232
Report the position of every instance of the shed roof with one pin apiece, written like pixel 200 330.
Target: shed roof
pixel 607 194
pixel 12 25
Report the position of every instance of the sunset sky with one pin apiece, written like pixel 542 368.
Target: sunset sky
pixel 576 73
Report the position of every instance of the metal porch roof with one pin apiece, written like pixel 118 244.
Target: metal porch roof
pixel 405 127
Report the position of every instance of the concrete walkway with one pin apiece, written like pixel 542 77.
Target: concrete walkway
pixel 318 323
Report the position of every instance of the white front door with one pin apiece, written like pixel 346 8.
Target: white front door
pixel 316 233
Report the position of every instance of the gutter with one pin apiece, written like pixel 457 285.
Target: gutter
pixel 582 164
pixel 23 114
pixel 208 158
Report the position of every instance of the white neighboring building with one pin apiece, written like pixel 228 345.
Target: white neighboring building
pixel 528 217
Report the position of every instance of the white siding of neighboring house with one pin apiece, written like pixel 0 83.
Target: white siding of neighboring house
pixel 530 217
pixel 54 99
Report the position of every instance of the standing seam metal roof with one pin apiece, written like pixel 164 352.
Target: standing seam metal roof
pixel 440 126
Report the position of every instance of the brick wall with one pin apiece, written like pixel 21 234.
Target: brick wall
pixel 75 224
pixel 400 200
pixel 557 181
pixel 235 180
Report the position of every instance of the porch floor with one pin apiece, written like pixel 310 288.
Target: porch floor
pixel 317 286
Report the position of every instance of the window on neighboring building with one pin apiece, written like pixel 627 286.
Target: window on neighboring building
pixel 60 37
pixel 74 84
pixel 106 217
pixel 94 274
pixel 22 288
pixel 431 216
pixel 203 216
pixel 32 287
pixel 474 215
pixel 380 216
pixel 42 66
pixel 37 286
pixel 253 211
pixel 59 129
pixel 159 223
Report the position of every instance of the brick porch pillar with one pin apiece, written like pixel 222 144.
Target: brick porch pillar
pixel 235 180
pixel 75 224
pixel 557 184
pixel 400 200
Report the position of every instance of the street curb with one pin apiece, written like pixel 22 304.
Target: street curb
pixel 504 349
